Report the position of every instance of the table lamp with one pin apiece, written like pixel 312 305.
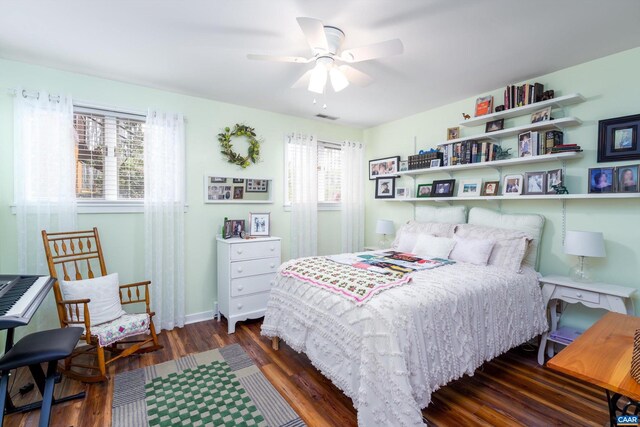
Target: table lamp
pixel 583 244
pixel 384 227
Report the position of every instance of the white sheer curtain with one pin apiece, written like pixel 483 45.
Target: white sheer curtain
pixel 45 177
pixel 302 154
pixel 164 194
pixel 352 196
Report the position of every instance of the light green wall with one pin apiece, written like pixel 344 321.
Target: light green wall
pixel 611 88
pixel 123 234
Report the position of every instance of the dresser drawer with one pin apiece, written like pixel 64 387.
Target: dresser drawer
pixel 251 284
pixel 254 267
pixel 240 251
pixel 248 303
pixel 580 295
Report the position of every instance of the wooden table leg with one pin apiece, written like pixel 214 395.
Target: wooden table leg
pixel 275 343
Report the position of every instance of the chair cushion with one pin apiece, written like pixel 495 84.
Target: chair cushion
pixel 104 295
pixel 40 347
pixel 123 327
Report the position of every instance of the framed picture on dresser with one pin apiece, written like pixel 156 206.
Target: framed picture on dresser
pixel 260 224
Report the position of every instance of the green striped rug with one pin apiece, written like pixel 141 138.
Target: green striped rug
pixel 221 387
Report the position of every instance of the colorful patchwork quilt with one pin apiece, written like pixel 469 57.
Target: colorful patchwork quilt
pixel 358 277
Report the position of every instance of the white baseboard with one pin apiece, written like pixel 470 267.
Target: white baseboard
pixel 199 317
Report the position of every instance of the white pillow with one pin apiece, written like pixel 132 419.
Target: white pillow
pixel 104 295
pixel 406 242
pixel 410 231
pixel 433 247
pixel 510 245
pixel 473 251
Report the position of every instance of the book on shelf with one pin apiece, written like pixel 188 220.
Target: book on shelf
pixel 565 334
pixel 484 105
pixel 564 148
pixel 517 96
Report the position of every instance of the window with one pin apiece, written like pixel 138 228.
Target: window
pixel 109 155
pixel 329 175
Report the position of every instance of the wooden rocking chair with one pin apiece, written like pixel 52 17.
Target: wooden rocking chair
pixel 78 249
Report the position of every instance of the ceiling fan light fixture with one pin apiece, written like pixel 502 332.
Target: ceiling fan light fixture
pixel 318 78
pixel 338 80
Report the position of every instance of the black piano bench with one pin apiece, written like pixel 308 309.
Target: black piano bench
pixel 32 350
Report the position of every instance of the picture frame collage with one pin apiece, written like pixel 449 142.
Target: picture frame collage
pixel 221 189
pixel 618 179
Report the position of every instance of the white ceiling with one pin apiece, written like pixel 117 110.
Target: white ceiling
pixel 453 48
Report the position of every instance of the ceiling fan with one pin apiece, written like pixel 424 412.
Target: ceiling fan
pixel 326 43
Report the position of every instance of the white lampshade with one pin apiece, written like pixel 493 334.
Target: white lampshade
pixel 584 243
pixel 318 78
pixel 338 79
pixel 385 226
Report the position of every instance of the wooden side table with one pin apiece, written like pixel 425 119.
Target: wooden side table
pixel 594 295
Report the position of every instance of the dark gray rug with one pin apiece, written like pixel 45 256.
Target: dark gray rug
pixel 221 387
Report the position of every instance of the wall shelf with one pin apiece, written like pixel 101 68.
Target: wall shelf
pixel 517 161
pixel 561 101
pixel 523 197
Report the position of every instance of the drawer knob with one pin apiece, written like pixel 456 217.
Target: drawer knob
pixel 239 251
pixel 272 249
pixel 239 269
pixel 579 295
pixel 240 288
pixel 239 306
pixel 273 265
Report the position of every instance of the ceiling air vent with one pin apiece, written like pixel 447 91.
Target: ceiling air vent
pixel 324 116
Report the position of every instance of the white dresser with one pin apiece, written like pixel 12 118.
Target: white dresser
pixel 245 271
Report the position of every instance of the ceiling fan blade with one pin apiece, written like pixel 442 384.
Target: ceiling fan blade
pixel 373 51
pixel 274 58
pixel 313 30
pixel 356 77
pixel 303 81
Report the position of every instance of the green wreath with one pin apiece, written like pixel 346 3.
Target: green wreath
pixel 227 147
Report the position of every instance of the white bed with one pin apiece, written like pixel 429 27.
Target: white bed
pixel 390 354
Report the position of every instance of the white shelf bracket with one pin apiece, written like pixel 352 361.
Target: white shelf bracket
pixel 564 219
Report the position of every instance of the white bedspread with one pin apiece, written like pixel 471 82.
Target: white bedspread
pixel 389 355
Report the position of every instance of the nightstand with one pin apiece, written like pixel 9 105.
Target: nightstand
pixel 371 248
pixel 594 295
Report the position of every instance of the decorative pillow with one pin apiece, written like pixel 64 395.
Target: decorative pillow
pixel 448 214
pixel 409 232
pixel 104 295
pixel 530 224
pixel 473 251
pixel 510 245
pixel 433 247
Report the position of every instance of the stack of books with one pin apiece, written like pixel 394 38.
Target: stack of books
pixel 517 96
pixel 563 148
pixel 472 151
pixel 565 335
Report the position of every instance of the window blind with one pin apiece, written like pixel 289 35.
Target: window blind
pixel 109 155
pixel 329 172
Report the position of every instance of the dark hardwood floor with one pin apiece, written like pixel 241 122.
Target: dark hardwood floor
pixel 510 390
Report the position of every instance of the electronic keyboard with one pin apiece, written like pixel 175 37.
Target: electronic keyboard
pixel 20 297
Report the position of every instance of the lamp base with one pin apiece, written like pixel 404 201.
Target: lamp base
pixel 580 272
pixel 384 242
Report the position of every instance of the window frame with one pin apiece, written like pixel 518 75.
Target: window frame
pixel 93 206
pixel 322 206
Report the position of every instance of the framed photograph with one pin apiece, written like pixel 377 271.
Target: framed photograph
pixel 526 147
pixel 443 188
pixel 228 230
pixel 257 185
pixel 238 180
pixel 554 177
pixel 424 190
pixel 260 224
pixel 453 133
pixel 512 185
pixel 237 227
pixel 618 139
pixel 469 187
pixel 402 192
pixel 490 188
pixel 386 166
pixel 484 105
pixel 627 181
pixel 534 183
pixel 215 189
pixel 217 179
pixel 541 115
pixel 404 165
pixel 494 125
pixel 601 180
pixel 238 193
pixel 385 188
pixel 435 163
